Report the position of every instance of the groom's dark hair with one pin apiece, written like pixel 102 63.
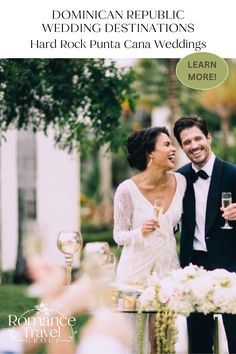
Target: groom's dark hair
pixel 190 121
pixel 140 144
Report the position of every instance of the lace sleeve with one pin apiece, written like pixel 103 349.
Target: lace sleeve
pixel 123 211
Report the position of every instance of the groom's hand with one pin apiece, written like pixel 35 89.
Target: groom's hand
pixel 149 226
pixel 229 213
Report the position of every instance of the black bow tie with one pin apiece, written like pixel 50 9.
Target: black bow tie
pixel 194 175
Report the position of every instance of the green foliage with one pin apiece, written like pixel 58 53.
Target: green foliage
pixel 116 251
pixel 153 85
pixel 7 277
pixel 120 168
pixel 80 98
pixel 96 233
pixel 217 147
pixel 13 301
pixel 151 82
pixel 90 178
pixel 96 228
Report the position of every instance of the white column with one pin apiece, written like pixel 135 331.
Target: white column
pixel 9 201
pixel 58 193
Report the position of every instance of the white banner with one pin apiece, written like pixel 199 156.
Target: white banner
pixel 120 29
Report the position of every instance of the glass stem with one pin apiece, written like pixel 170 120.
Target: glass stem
pixel 68 261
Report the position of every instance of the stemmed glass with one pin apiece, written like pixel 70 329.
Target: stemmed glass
pixel 158 210
pixel 69 242
pixel 100 264
pixel 96 258
pixel 32 240
pixel 226 200
pixel 32 250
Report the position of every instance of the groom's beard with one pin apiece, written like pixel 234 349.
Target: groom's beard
pixel 201 160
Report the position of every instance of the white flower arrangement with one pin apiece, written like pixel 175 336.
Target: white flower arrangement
pixel 192 289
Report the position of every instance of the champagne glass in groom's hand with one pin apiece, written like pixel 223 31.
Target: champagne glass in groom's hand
pixel 226 200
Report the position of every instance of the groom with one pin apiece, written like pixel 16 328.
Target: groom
pixel 203 241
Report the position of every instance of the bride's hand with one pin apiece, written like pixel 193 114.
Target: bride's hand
pixel 149 226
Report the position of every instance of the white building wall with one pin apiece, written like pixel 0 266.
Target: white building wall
pixel 57 196
pixel 57 193
pixel 9 201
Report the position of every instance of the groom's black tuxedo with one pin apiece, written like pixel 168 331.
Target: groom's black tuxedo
pixel 221 244
pixel 221 248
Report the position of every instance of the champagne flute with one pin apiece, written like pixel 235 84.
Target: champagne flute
pixel 158 210
pixel 69 242
pixel 226 200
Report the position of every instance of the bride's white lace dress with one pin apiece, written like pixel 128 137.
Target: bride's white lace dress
pixel 156 252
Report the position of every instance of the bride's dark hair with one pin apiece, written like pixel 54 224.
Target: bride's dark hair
pixel 140 143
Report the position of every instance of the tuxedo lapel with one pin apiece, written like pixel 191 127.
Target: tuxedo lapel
pixel 213 195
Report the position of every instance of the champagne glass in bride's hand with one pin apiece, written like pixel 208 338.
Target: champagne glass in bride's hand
pixel 69 242
pixel 226 200
pixel 158 208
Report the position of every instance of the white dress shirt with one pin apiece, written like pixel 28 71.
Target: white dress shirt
pixel 201 189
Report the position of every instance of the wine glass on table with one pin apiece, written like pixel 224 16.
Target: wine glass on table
pixel 32 240
pixel 96 256
pixel 32 246
pixel 99 263
pixel 226 200
pixel 69 242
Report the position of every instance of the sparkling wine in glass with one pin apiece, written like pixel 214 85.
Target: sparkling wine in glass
pixel 226 200
pixel 158 208
pixel 69 242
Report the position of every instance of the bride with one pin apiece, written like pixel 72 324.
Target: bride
pixel 148 244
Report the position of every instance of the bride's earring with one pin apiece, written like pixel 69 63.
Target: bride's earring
pixel 150 162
